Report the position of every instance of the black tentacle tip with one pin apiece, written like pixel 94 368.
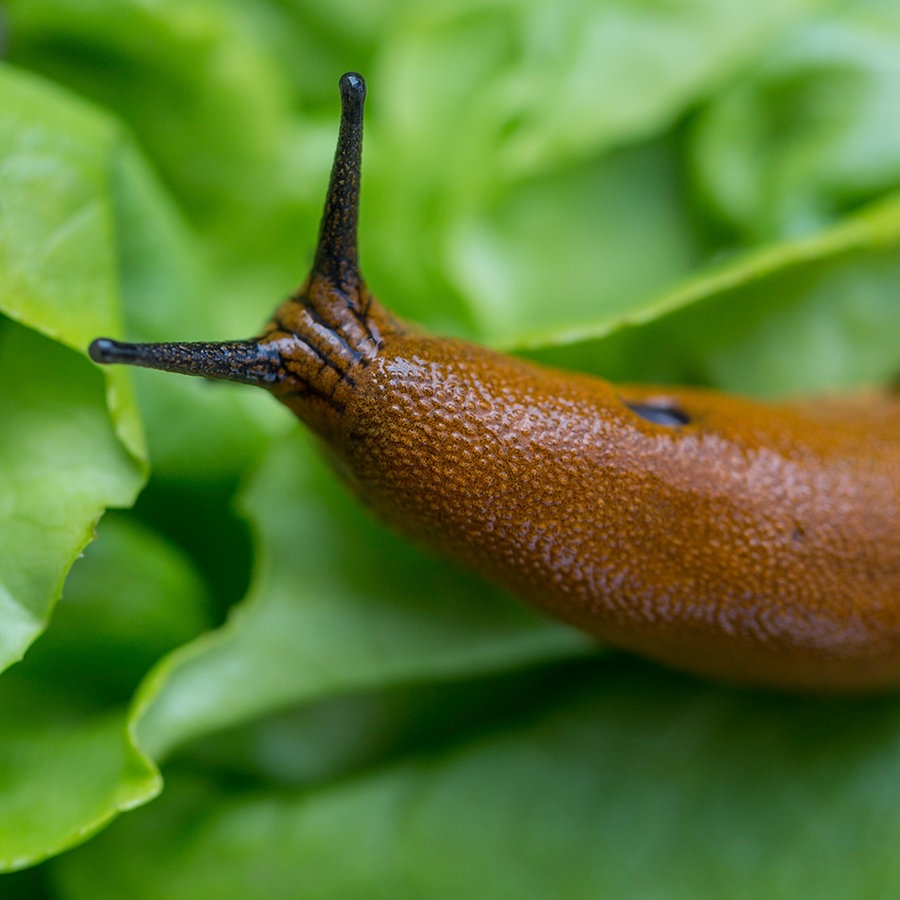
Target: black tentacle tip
pixel 353 88
pixel 106 350
pixel 103 350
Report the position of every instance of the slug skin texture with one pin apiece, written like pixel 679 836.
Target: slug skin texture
pixel 751 543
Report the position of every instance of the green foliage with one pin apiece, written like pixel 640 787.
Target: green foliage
pixel 702 191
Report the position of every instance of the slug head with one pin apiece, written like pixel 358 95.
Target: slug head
pixel 306 355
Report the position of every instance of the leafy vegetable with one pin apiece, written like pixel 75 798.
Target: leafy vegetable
pixel 61 462
pixel 697 191
pixel 68 757
pixel 614 781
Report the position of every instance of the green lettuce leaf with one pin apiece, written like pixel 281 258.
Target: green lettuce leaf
pixel 809 315
pixel 69 450
pixel 615 780
pixel 811 131
pixel 62 463
pixel 68 756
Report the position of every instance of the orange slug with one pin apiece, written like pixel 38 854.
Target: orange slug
pixel 752 543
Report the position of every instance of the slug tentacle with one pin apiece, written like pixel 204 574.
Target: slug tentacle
pixel 246 362
pixel 337 260
pixel 334 308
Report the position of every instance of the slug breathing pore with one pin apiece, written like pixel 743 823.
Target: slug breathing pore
pixel 747 542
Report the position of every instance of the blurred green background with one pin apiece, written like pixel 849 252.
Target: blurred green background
pixel 699 191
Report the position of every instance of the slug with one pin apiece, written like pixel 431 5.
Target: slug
pixel 751 543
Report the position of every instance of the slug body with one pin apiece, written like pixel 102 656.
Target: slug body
pixel 751 543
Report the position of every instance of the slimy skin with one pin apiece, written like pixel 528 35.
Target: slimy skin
pixel 751 543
